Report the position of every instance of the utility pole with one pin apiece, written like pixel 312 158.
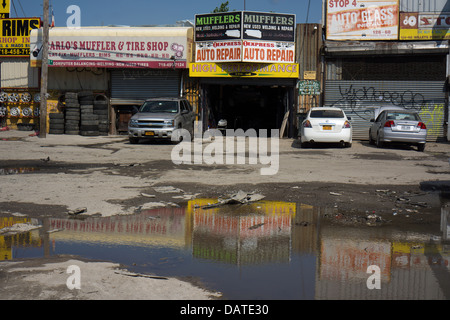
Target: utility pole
pixel 44 73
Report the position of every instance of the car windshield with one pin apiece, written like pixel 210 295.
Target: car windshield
pixel 159 107
pixel 326 114
pixel 402 116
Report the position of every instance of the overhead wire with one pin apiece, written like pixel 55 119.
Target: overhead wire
pixel 14 7
pixel 23 11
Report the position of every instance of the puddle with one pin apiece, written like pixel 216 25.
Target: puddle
pixel 264 250
pixel 12 139
pixel 6 171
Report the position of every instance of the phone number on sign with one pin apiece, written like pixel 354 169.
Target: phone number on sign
pixel 14 52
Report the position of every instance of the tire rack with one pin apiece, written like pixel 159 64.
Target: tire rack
pixel 19 107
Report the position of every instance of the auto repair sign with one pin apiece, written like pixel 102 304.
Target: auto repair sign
pixel 362 20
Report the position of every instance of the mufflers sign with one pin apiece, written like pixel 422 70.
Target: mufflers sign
pixel 245 25
pixel 245 37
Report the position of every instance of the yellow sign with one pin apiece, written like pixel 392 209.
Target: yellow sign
pixel 15 36
pixel 309 75
pixel 247 70
pixel 430 34
pixel 5 9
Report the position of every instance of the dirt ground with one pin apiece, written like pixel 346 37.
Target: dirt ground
pixel 108 176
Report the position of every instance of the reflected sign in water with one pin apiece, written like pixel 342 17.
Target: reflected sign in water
pixel 263 250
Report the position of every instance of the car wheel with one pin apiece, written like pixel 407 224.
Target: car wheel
pixel 421 147
pixel 380 143
pixel 371 141
pixel 134 141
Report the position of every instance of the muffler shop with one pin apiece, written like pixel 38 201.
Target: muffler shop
pixel 245 64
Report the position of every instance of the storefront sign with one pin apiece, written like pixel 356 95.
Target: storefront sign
pixel 218 51
pixel 268 51
pixel 84 49
pixel 310 75
pixel 245 51
pixel 309 87
pixel 15 36
pixel 5 9
pixel 257 70
pixel 424 26
pixel 268 26
pixel 218 26
pixel 243 25
pixel 362 20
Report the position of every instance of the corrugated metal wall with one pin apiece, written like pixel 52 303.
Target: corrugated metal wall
pixel 141 84
pixel 309 43
pixel 77 79
pixel 358 99
pixel 424 6
pixel 17 73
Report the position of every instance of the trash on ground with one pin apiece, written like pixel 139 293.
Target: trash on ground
pixel 147 195
pixel 152 205
pixel 130 274
pixel 187 196
pixel 256 226
pixel 77 211
pixel 240 197
pixel 168 189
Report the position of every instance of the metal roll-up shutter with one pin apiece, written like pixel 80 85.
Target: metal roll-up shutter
pixel 359 98
pixel 141 84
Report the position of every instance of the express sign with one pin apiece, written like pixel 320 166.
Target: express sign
pixel 245 51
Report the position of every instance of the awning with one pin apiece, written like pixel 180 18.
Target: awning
pixel 112 47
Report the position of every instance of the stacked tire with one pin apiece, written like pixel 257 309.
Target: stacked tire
pixel 89 125
pixel 56 123
pixel 101 110
pixel 72 114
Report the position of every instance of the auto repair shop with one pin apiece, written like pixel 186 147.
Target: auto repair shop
pixel 247 71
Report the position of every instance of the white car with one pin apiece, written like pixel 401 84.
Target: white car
pixel 326 125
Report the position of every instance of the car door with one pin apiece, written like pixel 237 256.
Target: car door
pixel 191 114
pixel 379 122
pixel 185 115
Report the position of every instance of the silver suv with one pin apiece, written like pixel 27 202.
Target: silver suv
pixel 157 118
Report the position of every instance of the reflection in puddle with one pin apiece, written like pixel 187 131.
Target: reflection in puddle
pixel 5 171
pixel 263 250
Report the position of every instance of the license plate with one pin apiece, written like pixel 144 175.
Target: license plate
pixel 327 127
pixel 406 128
pixel 149 133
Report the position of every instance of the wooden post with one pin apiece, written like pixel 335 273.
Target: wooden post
pixel 44 73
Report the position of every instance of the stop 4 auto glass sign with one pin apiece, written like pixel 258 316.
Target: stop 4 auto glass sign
pixel 362 20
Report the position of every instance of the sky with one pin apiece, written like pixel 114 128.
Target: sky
pixel 160 12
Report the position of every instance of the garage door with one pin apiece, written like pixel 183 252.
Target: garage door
pixel 358 99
